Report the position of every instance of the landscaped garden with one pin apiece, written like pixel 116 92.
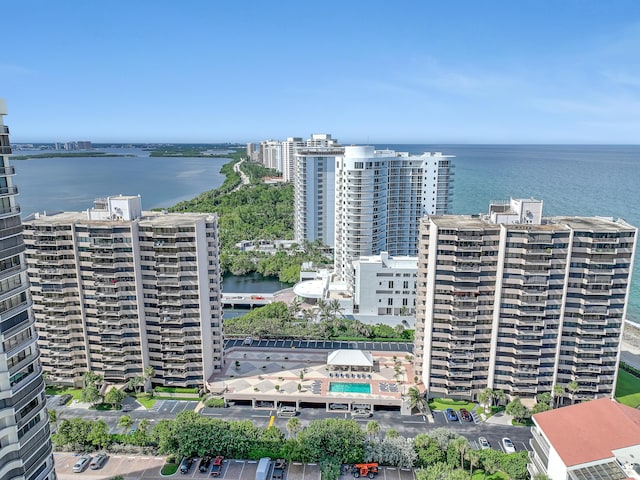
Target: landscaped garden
pixel 444 403
pixel 76 393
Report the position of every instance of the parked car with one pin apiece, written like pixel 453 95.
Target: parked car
pixel 278 469
pixel 98 461
pixel 185 464
pixel 205 461
pixel 508 445
pixel 216 466
pixel 465 415
pixel 248 341
pixel 286 411
pixel 361 413
pixel 484 443
pixel 81 464
pixel 64 399
pixel 451 415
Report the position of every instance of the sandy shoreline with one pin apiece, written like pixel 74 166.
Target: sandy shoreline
pixel 631 339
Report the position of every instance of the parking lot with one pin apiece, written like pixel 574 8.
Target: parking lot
pixel 132 467
pixel 385 473
pixel 172 406
pixel 323 345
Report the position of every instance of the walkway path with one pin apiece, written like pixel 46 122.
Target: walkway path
pixel 244 179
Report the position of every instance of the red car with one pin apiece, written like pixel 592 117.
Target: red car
pixel 466 416
pixel 216 466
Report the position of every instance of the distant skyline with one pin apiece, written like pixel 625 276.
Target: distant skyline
pixel 367 72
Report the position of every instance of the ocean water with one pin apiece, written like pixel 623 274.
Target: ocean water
pixel 583 180
pixel 73 183
pixel 588 180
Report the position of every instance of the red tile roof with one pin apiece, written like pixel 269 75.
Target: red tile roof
pixel 589 431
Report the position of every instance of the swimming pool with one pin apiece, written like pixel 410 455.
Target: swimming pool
pixel 343 387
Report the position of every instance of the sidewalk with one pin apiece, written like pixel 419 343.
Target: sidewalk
pixel 500 418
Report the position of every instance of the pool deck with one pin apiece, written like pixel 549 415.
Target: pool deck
pixel 259 371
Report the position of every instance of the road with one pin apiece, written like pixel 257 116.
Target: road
pixel 244 179
pixel 407 426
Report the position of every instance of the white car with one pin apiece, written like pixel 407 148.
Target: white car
pixel 484 443
pixel 81 464
pixel 508 445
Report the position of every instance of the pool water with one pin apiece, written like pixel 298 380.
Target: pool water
pixel 349 387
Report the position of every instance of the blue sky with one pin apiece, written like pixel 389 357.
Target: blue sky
pixel 525 71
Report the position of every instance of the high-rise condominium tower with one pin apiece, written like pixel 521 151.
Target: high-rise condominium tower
pixel 117 290
pixel 25 447
pixel 521 303
pixel 314 189
pixel 380 196
pixel 289 147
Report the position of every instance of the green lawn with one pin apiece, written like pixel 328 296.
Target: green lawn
pixel 176 389
pixel 146 401
pixel 628 389
pixel 76 393
pixel 169 469
pixel 444 403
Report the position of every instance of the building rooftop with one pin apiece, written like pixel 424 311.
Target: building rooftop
pixel 399 261
pixel 157 218
pixel 590 431
pixel 548 223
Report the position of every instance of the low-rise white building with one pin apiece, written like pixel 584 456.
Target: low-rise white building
pixel 384 289
pixel 599 439
pixel 385 285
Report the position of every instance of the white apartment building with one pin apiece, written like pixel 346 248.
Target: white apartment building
pixel 314 189
pixel 380 195
pixel 289 147
pixel 253 152
pixel 519 302
pixel 385 285
pixel 116 290
pixel 25 451
pixel 271 154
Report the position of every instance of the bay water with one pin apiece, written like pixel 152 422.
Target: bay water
pixel 580 180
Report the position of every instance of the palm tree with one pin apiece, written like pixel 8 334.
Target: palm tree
pixel 373 429
pixel 325 312
pixel 474 458
pixel 144 425
pixel 485 397
pixel 334 308
pixel 135 382
pixel 499 396
pixel 460 445
pixel 91 379
pixel 572 388
pixel 417 399
pixel 541 476
pixel 490 464
pixel 293 426
pixel 294 306
pixel 125 422
pixel 147 374
pixel 558 393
